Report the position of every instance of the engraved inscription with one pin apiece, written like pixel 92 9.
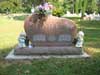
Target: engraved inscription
pixel 39 37
pixel 64 37
pixel 51 38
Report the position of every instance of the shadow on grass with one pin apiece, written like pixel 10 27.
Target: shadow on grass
pixel 54 66
pixel 92 38
pixel 4 52
pixel 89 24
pixel 74 18
pixel 21 17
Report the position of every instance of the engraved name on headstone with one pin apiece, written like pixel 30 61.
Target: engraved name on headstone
pixel 64 37
pixel 39 37
pixel 51 38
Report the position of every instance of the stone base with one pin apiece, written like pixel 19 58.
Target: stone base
pixel 66 50
pixel 12 56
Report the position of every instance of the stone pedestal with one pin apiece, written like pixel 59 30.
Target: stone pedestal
pixel 63 50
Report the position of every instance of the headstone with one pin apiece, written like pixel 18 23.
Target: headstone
pixel 50 29
pixel 49 35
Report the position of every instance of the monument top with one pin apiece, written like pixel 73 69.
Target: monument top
pixel 49 29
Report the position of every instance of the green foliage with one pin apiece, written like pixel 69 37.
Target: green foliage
pixel 77 6
pixel 58 12
pixel 20 18
pixel 61 6
pixel 88 6
pixel 98 6
pixel 10 6
pixel 4 7
pixel 85 2
pixel 92 6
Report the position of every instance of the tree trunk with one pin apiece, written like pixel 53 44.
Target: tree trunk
pixel 76 6
pixel 84 7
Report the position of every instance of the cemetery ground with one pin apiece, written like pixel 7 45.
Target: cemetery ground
pixel 9 32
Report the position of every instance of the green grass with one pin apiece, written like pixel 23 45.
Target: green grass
pixel 92 34
pixel 9 31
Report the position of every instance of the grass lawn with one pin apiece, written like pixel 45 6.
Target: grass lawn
pixel 9 31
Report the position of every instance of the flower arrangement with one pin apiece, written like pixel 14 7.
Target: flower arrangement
pixel 45 8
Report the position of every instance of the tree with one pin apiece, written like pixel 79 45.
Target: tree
pixel 98 6
pixel 74 6
pixel 92 6
pixel 81 5
pixel 84 7
pixel 77 6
